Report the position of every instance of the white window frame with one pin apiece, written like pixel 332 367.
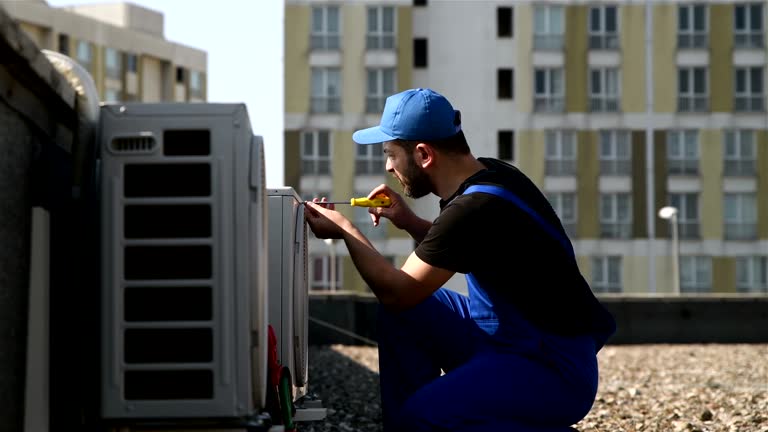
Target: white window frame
pixel 323 81
pixel 752 274
pixel 548 38
pixel 739 152
pixel 323 38
pixel 379 89
pixel 370 160
pixel 688 213
pixel 691 100
pixel 195 84
pixel 552 99
pixel 603 39
pixel 740 215
pixel 113 63
pixel 324 283
pixel 615 152
pixel 691 270
pixel 688 36
pixel 561 148
pixel 749 99
pixel 682 161
pixel 604 99
pixel 560 202
pixel 613 225
pixel 84 52
pixel 377 38
pixel 603 267
pixel 312 161
pixel 749 37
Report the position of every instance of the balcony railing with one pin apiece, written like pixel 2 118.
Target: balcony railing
pixel 683 166
pixel 560 167
pixel 620 167
pixel 616 230
pixel 740 231
pixel 688 230
pixel 375 104
pixel 325 104
pixel 548 42
pixel 695 287
pixel 601 288
pixel 749 40
pixel 608 41
pixel 370 167
pixel 380 42
pixel 692 103
pixel 325 42
pixel 315 167
pixel 553 104
pixel 739 167
pixel 749 103
pixel 692 40
pixel 604 104
pixel 754 287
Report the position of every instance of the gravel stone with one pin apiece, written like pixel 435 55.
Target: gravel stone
pixel 653 388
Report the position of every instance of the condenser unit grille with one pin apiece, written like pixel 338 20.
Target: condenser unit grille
pixel 133 144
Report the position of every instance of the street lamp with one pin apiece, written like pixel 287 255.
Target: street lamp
pixel 332 282
pixel 670 213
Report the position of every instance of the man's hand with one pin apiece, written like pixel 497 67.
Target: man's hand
pixel 398 212
pixel 324 221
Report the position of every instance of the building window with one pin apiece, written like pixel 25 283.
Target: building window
pixel 616 215
pixel 752 274
pixel 740 155
pixel 692 89
pixel 548 27
pixel 326 90
pixel 113 63
pixel 604 90
pixel 419 2
pixel 85 54
pixel 180 72
pixel 505 84
pixel 603 28
pixel 320 269
pixel 381 28
pixel 692 26
pixel 564 204
pixel 695 274
pixel 64 43
pixel 381 84
pixel 606 274
pixel 749 89
pixel 683 152
pixel 506 145
pixel 740 216
pixel 748 25
pixel 111 95
pixel 420 52
pixel 131 63
pixel 316 153
pixel 560 153
pixel 504 22
pixel 615 153
pixel 326 34
pixel 370 160
pixel 687 205
pixel 362 220
pixel 549 91
pixel 196 84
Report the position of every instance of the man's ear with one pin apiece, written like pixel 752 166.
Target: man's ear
pixel 424 155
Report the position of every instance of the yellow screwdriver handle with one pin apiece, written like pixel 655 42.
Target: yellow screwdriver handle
pixel 379 201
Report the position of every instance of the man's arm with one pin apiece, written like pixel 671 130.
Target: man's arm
pixel 396 289
pixel 418 229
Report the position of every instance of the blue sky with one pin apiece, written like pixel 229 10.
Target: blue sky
pixel 250 71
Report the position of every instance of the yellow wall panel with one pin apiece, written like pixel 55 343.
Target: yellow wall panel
pixel 343 168
pixel 724 274
pixel 588 199
pixel 664 57
pixel 292 159
pixel 296 63
pixel 530 145
pixel 404 48
pixel 353 74
pixel 711 169
pixel 633 58
pixel 576 58
pixel 524 69
pixel 664 273
pixel 762 184
pixel 634 274
pixel 721 51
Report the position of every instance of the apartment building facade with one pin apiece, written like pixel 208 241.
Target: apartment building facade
pixel 611 124
pixel 123 47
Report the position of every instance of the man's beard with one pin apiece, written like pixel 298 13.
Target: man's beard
pixel 415 181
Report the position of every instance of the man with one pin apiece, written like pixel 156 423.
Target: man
pixel 519 353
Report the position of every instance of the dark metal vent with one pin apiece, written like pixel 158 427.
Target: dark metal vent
pixel 133 144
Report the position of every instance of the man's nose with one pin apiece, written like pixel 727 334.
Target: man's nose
pixel 389 166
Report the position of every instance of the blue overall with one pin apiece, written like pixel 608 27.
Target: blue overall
pixel 501 372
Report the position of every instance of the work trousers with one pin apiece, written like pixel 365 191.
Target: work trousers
pixel 529 382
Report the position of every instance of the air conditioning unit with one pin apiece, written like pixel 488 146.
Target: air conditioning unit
pixel 184 262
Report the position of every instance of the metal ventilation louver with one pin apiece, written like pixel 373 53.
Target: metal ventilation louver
pixel 133 144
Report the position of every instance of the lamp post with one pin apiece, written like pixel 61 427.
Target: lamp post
pixel 332 249
pixel 670 213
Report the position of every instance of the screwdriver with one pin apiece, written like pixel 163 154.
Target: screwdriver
pixel 380 200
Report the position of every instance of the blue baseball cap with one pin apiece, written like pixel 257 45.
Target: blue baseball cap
pixel 415 114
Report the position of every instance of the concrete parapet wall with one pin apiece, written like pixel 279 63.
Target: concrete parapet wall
pixel 641 320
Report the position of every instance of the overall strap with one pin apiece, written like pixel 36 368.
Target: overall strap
pixel 509 196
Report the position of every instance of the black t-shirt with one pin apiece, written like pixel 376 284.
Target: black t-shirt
pixel 511 254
